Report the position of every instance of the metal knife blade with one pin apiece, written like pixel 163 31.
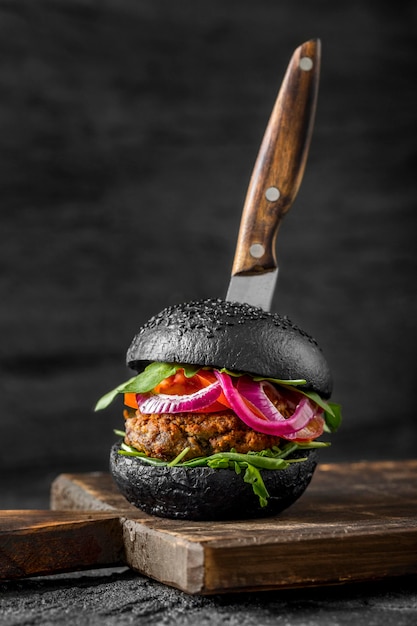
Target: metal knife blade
pixel 275 179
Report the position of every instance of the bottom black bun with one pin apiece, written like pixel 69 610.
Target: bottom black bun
pixel 202 493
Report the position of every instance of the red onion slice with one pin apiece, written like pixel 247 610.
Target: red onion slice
pixel 167 403
pixel 274 422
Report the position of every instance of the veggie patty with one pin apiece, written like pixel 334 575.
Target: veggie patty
pixel 164 436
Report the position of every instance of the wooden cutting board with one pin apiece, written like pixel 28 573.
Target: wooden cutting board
pixel 356 522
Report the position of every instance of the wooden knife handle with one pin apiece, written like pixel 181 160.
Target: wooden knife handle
pixel 280 164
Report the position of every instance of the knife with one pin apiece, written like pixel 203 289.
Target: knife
pixel 275 179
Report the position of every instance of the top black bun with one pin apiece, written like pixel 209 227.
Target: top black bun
pixel 233 335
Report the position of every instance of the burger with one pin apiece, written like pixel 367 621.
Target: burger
pixel 223 417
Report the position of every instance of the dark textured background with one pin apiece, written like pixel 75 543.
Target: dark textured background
pixel 128 132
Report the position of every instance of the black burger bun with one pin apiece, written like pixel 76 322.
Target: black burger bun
pixel 241 338
pixel 205 494
pixel 237 336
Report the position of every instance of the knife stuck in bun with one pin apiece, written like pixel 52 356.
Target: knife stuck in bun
pixel 223 419
pixel 224 416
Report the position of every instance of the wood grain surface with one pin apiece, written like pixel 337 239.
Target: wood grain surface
pixel 45 542
pixel 356 522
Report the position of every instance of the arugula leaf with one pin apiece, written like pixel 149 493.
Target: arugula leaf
pixel 237 467
pixel 189 370
pixel 179 457
pixel 257 460
pixel 126 450
pixel 333 418
pixel 291 382
pixel 253 477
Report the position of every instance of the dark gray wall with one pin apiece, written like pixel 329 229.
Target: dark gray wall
pixel 128 135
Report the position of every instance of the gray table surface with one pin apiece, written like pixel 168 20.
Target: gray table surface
pixel 120 596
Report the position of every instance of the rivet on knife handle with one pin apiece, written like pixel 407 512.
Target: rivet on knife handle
pixel 280 164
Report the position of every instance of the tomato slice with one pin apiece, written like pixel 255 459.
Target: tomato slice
pixel 178 385
pixel 130 400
